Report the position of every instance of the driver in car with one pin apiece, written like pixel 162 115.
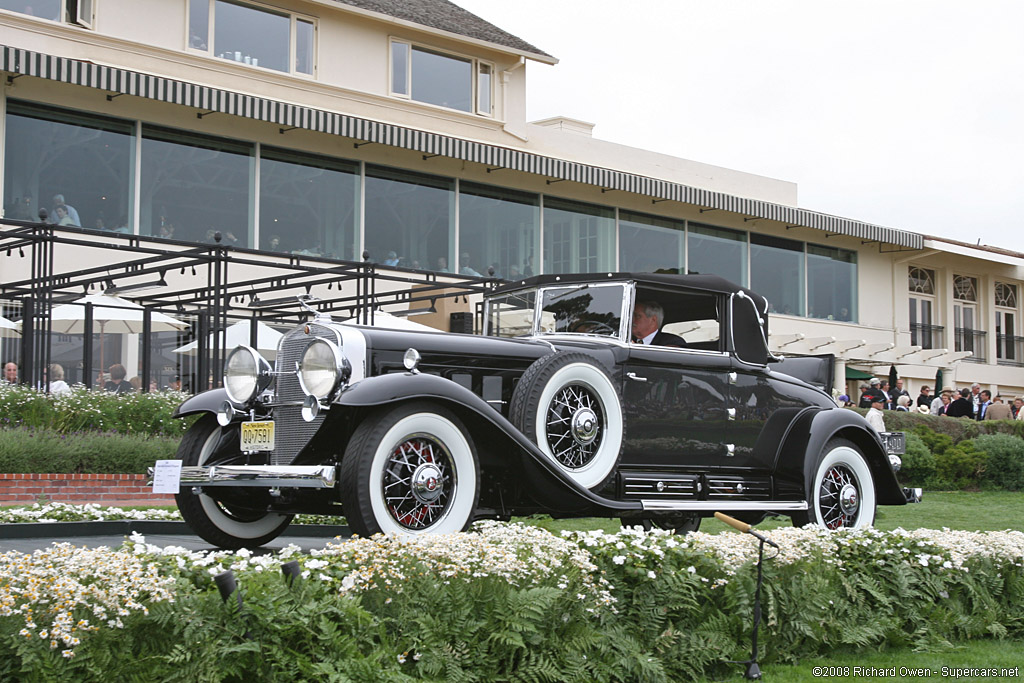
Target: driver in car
pixel 647 319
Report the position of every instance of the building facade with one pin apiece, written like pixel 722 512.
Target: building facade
pixel 396 132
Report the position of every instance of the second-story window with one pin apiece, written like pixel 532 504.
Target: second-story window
pixel 70 11
pixel 1009 346
pixel 252 34
pixel 446 80
pixel 923 331
pixel 965 318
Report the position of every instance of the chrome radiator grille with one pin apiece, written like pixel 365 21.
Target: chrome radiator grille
pixel 292 433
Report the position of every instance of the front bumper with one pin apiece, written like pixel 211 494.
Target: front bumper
pixel 269 476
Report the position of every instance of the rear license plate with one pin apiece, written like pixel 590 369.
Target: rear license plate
pixel 895 442
pixel 258 436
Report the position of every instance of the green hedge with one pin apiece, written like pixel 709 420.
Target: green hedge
pixel 94 411
pixel 504 603
pixel 45 451
pixel 87 432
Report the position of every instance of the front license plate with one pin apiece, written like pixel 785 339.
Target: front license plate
pixel 258 436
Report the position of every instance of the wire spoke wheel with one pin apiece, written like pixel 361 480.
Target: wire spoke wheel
pixel 839 497
pixel 574 423
pixel 842 492
pixel 419 482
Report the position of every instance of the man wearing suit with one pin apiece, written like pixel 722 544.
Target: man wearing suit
pixel 647 319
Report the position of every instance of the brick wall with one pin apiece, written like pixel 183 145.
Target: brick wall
pixel 78 488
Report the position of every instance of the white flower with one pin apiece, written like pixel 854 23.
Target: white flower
pixel 651 574
pixel 619 559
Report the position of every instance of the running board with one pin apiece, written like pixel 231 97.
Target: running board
pixel 685 505
pixel 270 476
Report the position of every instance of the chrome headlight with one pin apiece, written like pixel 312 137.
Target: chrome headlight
pixel 246 374
pixel 322 369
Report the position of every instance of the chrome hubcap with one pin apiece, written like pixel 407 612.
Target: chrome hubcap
pixel 848 500
pixel 573 424
pixel 584 426
pixel 426 483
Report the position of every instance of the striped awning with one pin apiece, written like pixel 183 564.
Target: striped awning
pixel 124 81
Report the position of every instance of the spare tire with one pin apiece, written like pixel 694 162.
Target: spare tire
pixel 567 404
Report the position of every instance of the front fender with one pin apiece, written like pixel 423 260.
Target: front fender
pixel 206 402
pixel 395 387
pixel 798 455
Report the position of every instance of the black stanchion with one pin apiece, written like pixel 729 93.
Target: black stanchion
pixel 753 671
pixel 291 571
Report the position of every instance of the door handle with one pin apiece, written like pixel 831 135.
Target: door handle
pixel 635 377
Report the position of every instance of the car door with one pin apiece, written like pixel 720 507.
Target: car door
pixel 675 405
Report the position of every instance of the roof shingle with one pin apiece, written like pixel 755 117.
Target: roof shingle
pixel 446 16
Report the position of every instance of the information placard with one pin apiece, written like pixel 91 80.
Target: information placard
pixel 167 476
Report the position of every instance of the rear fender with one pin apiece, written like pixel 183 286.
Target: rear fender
pixel 397 387
pixel 797 458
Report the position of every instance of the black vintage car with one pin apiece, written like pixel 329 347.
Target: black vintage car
pixel 554 409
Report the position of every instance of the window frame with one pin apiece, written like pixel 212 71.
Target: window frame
pixel 477 66
pixel 293 19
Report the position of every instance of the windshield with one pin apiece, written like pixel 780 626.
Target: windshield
pixel 582 309
pixel 511 315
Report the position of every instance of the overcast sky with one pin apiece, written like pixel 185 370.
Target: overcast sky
pixel 903 113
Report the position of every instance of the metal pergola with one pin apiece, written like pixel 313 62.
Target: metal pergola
pixel 207 282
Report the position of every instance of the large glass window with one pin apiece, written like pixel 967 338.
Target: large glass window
pixel 831 283
pixel 440 78
pixel 77 167
pixel 648 244
pixel 718 251
pixel 308 205
pixel 253 35
pixel 410 219
pixel 578 238
pixel 499 228
pixel 777 272
pixel 194 186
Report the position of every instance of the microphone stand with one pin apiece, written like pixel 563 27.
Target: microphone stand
pixel 753 671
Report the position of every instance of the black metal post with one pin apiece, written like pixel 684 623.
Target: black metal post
pixel 202 364
pixel 753 671
pixel 87 348
pixel 27 337
pixel 147 348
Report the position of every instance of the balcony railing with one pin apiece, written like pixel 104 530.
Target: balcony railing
pixel 1009 350
pixel 970 340
pixel 926 336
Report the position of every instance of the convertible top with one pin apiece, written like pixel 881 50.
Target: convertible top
pixel 679 296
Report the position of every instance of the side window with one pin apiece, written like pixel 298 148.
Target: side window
pixel 447 80
pixel 692 317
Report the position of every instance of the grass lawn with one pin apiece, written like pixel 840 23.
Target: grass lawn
pixel 965 510
pixel 980 654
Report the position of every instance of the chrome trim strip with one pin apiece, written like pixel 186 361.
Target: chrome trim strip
pixel 291 476
pixel 723 504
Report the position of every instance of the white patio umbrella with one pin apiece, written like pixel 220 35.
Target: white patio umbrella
pixel 267 339
pixel 8 328
pixel 113 314
pixel 393 322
